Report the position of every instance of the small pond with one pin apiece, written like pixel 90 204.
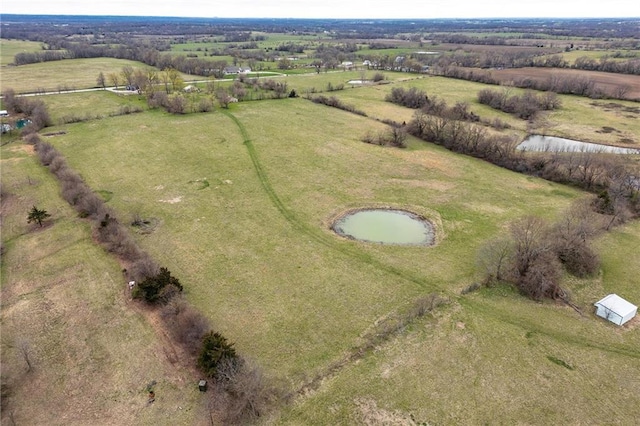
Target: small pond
pixel 541 143
pixel 385 226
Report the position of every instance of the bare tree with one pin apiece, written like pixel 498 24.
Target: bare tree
pixel 243 393
pixel 127 74
pixel 101 81
pixel 530 242
pixel 494 258
pixel 24 349
pixel 114 79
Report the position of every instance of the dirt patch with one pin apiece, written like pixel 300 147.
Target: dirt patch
pixel 370 414
pixel 173 200
pixel 145 226
pixel 62 132
pixel 29 149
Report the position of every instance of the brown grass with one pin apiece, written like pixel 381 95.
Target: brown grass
pixel 603 80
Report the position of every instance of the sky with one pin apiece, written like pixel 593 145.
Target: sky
pixel 337 9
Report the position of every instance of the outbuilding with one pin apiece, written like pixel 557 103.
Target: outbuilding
pixel 615 309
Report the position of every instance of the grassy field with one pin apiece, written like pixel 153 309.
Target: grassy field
pixel 579 118
pixel 69 74
pixel 10 48
pixel 64 304
pixel 243 200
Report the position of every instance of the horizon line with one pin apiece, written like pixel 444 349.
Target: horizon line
pixel 322 18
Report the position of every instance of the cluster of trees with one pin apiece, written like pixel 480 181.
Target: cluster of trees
pixel 418 99
pixel 524 106
pixel 395 136
pixel 33 108
pixel 573 85
pixel 178 103
pixel 534 254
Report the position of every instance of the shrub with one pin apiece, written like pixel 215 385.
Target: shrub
pixel 337 103
pixel 159 288
pixel 142 267
pixel 411 98
pixel 579 260
pixel 243 394
pixel 186 326
pixel 215 350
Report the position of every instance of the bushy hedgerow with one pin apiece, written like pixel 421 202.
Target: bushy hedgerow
pixel 333 101
pixel 524 106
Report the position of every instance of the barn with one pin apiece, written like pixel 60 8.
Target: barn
pixel 615 309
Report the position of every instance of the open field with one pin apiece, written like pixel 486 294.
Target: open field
pixel 65 309
pixel 242 201
pixel 10 48
pixel 70 74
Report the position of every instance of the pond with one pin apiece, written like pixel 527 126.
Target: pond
pixel 541 143
pixel 385 226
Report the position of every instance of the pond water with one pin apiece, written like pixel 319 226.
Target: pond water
pixel 541 143
pixel 385 226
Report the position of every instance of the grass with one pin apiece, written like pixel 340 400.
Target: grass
pixel 290 216
pixel 89 105
pixel 255 254
pixel 10 48
pixel 68 74
pixel 65 298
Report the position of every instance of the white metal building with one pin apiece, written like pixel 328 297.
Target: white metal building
pixel 615 309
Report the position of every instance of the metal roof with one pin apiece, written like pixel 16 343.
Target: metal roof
pixel 616 304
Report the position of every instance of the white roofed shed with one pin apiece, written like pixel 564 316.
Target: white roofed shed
pixel 615 309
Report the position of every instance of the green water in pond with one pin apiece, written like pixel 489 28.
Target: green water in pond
pixel 385 226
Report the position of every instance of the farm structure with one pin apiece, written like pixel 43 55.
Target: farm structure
pixel 615 309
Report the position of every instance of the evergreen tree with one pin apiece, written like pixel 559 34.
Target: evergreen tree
pixel 37 215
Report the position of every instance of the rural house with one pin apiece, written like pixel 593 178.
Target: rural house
pixel 615 309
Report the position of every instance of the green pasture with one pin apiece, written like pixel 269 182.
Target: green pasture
pixel 10 48
pixel 579 118
pixel 253 247
pixel 64 299
pixel 90 105
pixel 68 74
pixel 243 200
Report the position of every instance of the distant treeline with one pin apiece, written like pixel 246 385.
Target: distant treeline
pixel 147 55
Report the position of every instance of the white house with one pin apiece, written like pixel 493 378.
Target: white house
pixel 615 309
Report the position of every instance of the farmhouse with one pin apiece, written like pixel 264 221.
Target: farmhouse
pixel 615 309
pixel 236 70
